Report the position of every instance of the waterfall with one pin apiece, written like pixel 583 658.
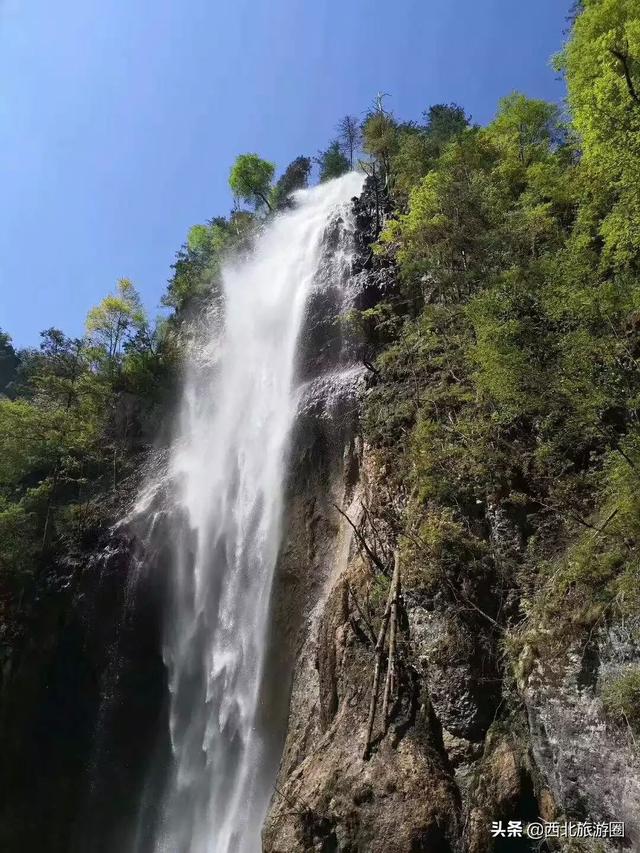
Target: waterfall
pixel 228 469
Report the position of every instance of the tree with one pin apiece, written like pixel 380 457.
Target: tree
pixel 526 126
pixel 50 374
pixel 445 122
pixel 198 264
pixel 9 362
pixel 332 162
pixel 601 62
pixel 115 319
pixel 250 179
pixel 295 177
pixel 349 137
pixel 442 238
pixel 380 137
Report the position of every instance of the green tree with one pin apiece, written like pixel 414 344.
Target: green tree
pixel 295 177
pixel 602 65
pixel 115 319
pixel 250 180
pixel 9 362
pixel 198 264
pixel 442 243
pixel 381 137
pixel 445 122
pixel 418 148
pixel 525 127
pixel 332 162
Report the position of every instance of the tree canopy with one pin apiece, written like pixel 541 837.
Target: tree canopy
pixel 115 319
pixel 332 162
pixel 250 180
pixel 295 177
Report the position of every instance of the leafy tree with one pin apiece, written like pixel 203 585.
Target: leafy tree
pixel 332 162
pixel 412 161
pixel 418 148
pixel 441 241
pixel 445 122
pixel 525 127
pixel 51 374
pixel 602 65
pixel 150 357
pixel 116 318
pixel 250 179
pixel 295 177
pixel 9 362
pixel 208 239
pixel 381 138
pixel 198 264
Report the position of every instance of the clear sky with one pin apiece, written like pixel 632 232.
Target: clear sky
pixel 119 119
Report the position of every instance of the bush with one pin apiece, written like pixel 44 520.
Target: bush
pixel 621 698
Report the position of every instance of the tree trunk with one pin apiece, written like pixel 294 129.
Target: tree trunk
pixel 373 704
pixel 391 659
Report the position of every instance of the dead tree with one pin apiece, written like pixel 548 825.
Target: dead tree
pixel 391 607
pixel 391 658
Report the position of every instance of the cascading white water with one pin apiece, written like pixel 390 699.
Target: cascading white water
pixel 228 464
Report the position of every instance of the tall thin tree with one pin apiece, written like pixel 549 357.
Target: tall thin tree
pixel 349 136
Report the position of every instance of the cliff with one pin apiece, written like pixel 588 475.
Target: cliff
pixel 482 727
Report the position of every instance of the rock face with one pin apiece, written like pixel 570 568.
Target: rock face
pixel 443 770
pixel 467 743
pixel 328 797
pixel 405 796
pixel 592 768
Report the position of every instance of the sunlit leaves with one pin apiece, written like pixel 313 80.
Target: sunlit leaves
pixel 250 179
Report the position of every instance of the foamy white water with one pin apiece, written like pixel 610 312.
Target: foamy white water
pixel 228 464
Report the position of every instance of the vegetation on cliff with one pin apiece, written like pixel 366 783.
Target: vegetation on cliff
pixel 506 393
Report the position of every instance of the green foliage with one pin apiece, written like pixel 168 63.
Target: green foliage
pixel 18 537
pixel 71 430
pixel 445 122
pixel 621 698
pixel 250 180
pixel 198 265
pixel 115 319
pixel 9 362
pixel 295 177
pixel 507 360
pixel 332 162
pixel 602 65
pixel 418 148
pixel 32 438
pixel 411 162
pixel 525 129
pixel 441 244
pixel 381 138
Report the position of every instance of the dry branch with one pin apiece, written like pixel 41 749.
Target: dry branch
pixel 391 659
pixel 373 704
pixel 361 613
pixel 372 556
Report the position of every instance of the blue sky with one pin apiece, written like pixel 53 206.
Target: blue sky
pixel 119 119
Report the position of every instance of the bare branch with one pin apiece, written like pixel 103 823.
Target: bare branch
pixel 373 703
pixel 391 658
pixel 372 556
pixel 367 623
